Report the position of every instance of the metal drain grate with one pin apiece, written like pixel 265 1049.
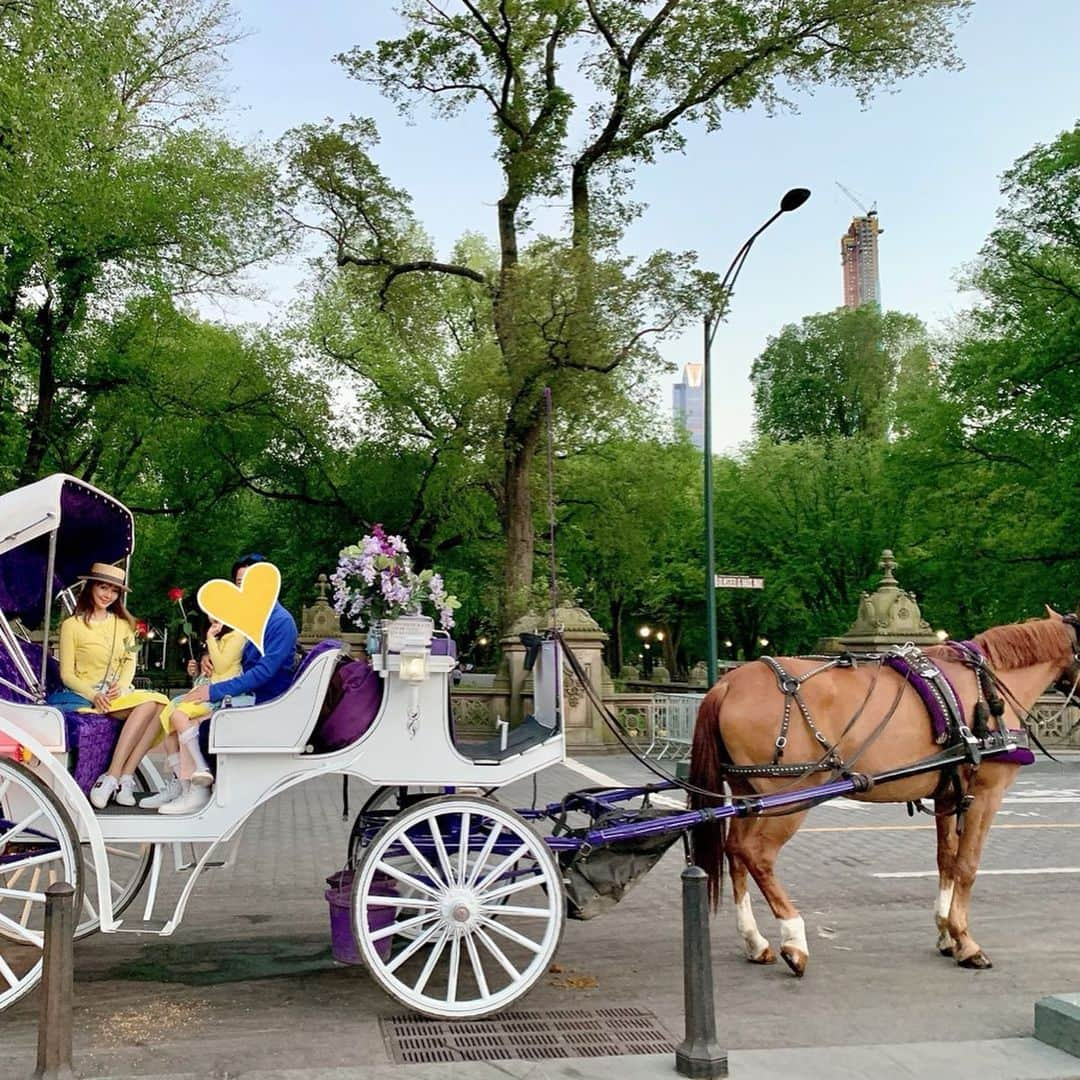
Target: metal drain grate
pixel 528 1036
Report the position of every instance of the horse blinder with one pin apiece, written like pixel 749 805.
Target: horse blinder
pixel 1067 683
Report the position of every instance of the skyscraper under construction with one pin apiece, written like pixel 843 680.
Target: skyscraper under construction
pixel 859 258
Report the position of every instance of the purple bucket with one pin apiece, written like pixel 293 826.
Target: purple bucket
pixel 343 946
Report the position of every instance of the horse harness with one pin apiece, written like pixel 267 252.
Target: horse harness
pixel 938 696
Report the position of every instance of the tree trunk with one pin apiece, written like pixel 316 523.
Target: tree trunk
pixel 615 642
pixel 518 524
pixel 46 396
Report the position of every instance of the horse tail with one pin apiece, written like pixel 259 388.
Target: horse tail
pixel 708 756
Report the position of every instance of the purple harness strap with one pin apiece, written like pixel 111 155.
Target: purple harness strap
pixel 936 691
pixel 939 696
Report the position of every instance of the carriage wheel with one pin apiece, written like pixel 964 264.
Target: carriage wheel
pixel 129 864
pixel 39 845
pixel 457 907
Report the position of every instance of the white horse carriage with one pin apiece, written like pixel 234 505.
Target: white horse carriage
pixel 457 903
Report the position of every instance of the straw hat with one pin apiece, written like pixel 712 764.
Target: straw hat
pixel 107 574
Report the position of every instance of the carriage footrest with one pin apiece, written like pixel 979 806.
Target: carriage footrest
pixel 141 926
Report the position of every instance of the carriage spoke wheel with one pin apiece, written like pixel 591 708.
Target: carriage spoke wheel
pixel 129 864
pixel 38 847
pixel 457 907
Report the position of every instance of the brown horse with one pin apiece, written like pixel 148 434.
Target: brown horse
pixel 739 723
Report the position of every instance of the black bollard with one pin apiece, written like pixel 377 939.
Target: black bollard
pixel 57 985
pixel 699 1055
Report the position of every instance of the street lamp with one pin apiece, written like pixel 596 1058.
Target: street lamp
pixel 792 200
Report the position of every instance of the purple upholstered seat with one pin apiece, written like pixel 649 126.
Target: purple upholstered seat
pixel 316 650
pixel 352 703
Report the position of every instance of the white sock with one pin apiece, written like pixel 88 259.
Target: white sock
pixel 173 761
pixel 189 740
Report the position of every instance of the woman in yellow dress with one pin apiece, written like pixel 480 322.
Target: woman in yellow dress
pixel 98 644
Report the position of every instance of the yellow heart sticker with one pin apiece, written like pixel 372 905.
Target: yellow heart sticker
pixel 246 607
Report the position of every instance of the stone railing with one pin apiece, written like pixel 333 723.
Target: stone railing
pixel 644 713
pixel 1057 727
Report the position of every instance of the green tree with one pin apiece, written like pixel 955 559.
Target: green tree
pixel 112 186
pixel 834 374
pixel 569 312
pixel 991 439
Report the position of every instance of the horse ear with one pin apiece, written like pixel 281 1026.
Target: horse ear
pixel 1051 613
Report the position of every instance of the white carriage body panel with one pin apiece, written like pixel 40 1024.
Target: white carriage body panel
pixel 281 726
pixel 41 722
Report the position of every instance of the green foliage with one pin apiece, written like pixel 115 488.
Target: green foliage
pixel 566 312
pixel 835 374
pixel 113 187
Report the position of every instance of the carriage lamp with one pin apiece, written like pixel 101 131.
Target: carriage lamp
pixel 645 631
pixel 942 635
pixel 413 665
pixel 659 635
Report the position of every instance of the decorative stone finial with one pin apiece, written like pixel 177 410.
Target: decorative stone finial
pixel 322 587
pixel 888 564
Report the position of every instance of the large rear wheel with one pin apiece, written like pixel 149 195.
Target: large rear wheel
pixel 39 845
pixel 457 907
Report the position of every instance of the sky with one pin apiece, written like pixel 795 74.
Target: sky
pixel 929 154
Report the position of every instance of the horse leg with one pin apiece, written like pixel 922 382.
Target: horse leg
pixel 988 793
pixel 946 862
pixel 758 845
pixel 758 949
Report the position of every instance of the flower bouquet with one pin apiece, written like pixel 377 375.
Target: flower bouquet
pixel 375 582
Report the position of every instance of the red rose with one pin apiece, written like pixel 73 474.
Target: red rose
pixel 176 594
pixel 142 627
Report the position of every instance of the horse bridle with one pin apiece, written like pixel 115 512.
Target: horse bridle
pixel 1069 681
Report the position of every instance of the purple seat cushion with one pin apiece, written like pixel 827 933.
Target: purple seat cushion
pixel 352 703
pixel 316 650
pixel 32 652
pixel 91 739
pixel 441 646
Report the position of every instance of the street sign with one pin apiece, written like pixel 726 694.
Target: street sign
pixel 738 581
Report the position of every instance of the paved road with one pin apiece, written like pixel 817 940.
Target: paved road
pixel 247 981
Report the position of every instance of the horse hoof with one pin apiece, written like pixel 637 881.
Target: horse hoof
pixel 766 956
pixel 977 961
pixel 946 950
pixel 795 959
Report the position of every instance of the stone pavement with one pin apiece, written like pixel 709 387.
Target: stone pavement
pixel 987 1059
pixel 247 988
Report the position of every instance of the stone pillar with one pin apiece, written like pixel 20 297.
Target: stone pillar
pixel 319 621
pixel 585 729
pixel 888 616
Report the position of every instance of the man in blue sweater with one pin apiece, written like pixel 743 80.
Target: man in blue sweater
pixel 263 676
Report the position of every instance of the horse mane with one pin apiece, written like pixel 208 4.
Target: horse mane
pixel 1021 645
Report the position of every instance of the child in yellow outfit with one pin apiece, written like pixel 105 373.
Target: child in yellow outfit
pixel 224 647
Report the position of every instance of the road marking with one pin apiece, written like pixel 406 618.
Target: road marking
pixel 1026 870
pixel 603 780
pixel 921 828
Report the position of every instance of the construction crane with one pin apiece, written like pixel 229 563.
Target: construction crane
pixel 857 201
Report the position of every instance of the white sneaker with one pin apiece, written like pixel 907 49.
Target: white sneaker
pixel 103 790
pixel 125 796
pixel 202 778
pixel 191 802
pixel 171 791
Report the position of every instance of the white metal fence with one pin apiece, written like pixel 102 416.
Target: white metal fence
pixel 671 720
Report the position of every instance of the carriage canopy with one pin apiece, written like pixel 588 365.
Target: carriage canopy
pixel 90 527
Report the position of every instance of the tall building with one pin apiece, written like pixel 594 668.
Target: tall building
pixel 688 403
pixel 859 258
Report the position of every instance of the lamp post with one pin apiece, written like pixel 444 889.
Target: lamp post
pixel 792 200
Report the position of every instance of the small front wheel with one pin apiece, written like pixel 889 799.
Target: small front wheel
pixel 457 907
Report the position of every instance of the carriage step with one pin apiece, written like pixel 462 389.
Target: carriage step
pixel 142 926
